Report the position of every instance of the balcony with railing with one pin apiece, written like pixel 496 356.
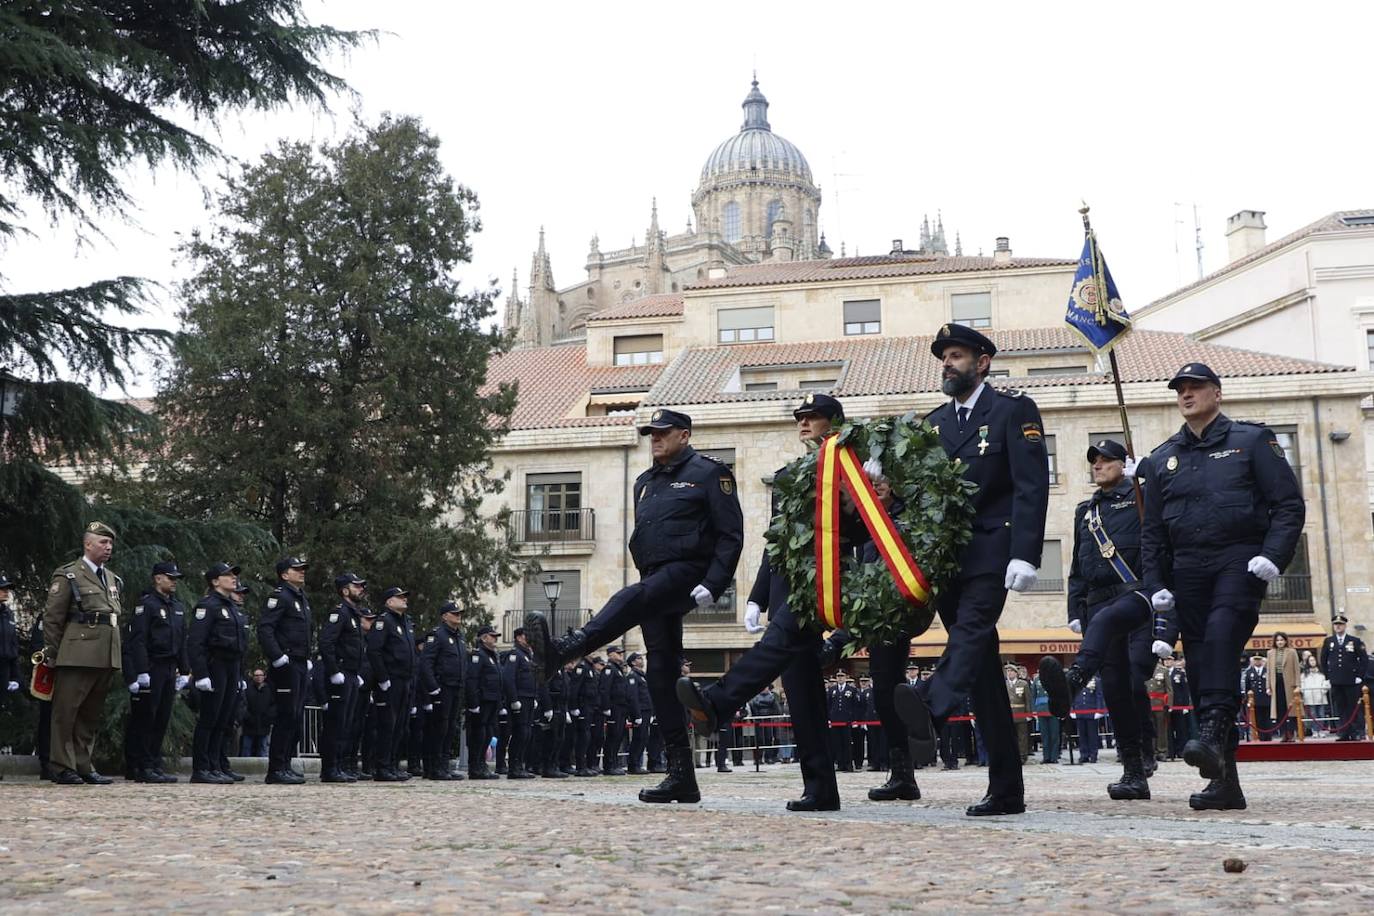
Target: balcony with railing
pixel 561 530
pixel 564 619
pixel 1288 594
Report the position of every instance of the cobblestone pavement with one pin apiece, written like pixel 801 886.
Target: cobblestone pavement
pixel 583 845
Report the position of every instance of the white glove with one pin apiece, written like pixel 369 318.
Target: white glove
pixel 1020 576
pixel 515 707
pixel 752 612
pixel 639 721
pixel 702 596
pixel 12 686
pixel 475 710
pixel 874 469
pixel 182 681
pixel 360 679
pixel 429 707
pixel 324 708
pixel 243 685
pixel 548 715
pixel 205 685
pixel 281 661
pixel 436 691
pixel 1128 469
pixel 607 712
pixel 336 678
pixel 133 688
pixel 501 712
pixel 144 680
pixel 577 712
pixel 1162 600
pixel 1076 625
pixel 309 666
pixel 1263 568
pixel 567 718
pixel 412 710
pixel 385 685
pixel 1161 648
pixel 653 720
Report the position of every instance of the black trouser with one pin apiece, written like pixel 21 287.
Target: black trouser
pixel 859 740
pixel 596 737
pixel 1179 732
pixel 654 745
pixel 1106 651
pixel 1344 699
pixel 725 740
pixel 638 739
pixel 972 667
pixel 392 709
pixel 216 712
pixel 794 653
pixel 887 667
pixel 149 712
pixel 42 737
pixel 288 690
pixel 481 727
pixel 362 736
pixel 503 734
pixel 1218 607
pixel 582 738
pixel 521 725
pixel 952 743
pixel 415 740
pixel 441 727
pixel 555 740
pixel 338 720
pixel 615 739
pixel 842 745
pixel 656 604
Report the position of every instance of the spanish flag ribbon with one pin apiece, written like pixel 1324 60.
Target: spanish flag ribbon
pixel 838 467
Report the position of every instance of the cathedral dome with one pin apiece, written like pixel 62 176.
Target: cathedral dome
pixel 756 147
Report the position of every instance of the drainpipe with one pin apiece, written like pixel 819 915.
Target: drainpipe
pixel 1321 491
pixel 625 516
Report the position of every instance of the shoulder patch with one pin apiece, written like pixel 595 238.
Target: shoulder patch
pixel 271 603
pixel 200 613
pixel 727 485
pixel 334 618
pixel 474 658
pixel 56 587
pixel 1032 432
pixel 380 626
pixel 512 657
pixel 429 638
pixel 138 610
pixel 1278 449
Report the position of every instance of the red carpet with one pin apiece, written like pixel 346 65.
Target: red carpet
pixel 1312 749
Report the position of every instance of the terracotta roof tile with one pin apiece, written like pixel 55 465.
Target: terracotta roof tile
pixel 662 305
pixel 903 365
pixel 553 379
pixel 865 268
pixel 1331 222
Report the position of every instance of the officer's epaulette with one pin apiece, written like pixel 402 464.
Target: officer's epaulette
pixel 710 458
pixel 1010 392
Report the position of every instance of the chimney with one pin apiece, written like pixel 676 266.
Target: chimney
pixel 1002 253
pixel 1244 233
pixel 896 248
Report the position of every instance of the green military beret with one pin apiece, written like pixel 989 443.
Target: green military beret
pixel 101 529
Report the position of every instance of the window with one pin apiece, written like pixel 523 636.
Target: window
pixel 817 384
pixel 1291 592
pixel 999 373
pixel 745 325
pixel 731 222
pixel 639 350
pixel 863 316
pixel 1051 578
pixel 760 386
pixel 1369 345
pixel 553 506
pixel 1057 370
pixel 1288 441
pixel 774 210
pixel 972 310
pixel 1052 451
pixel 570 596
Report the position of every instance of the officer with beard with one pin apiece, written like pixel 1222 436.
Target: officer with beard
pixel 342 653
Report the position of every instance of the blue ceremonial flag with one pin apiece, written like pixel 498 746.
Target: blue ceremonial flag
pixel 1100 319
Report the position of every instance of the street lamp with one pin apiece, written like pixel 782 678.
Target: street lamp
pixel 553 587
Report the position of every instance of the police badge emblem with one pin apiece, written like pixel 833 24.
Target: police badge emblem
pixel 334 618
pixel 727 486
pixel 658 415
pixel 1172 463
pixel 200 613
pixel 271 604
pixel 224 612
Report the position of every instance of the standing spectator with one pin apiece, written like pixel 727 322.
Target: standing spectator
pixel 1282 664
pixel 1316 693
pixel 1019 695
pixel 1049 725
pixel 1087 709
pixel 1256 681
pixel 1181 719
pixel 1343 661
pixel 257 719
pixel 767 710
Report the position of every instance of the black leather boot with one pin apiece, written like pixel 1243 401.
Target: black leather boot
pixel 901 780
pixel 1061 685
pixel 1133 785
pixel 680 785
pixel 1222 794
pixel 1208 750
pixel 549 653
pixel 700 710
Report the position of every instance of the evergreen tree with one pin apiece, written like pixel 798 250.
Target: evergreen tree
pixel 329 379
pixel 87 89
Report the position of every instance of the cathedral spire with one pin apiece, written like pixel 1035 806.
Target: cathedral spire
pixel 652 238
pixel 958 245
pixel 755 108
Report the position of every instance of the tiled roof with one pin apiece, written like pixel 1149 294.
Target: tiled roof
pixel 1331 222
pixel 553 379
pixel 865 268
pixel 661 305
pixel 903 365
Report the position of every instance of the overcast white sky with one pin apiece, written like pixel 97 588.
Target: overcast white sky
pixel 1002 115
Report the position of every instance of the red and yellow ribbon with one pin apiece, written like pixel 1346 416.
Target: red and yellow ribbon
pixel 836 468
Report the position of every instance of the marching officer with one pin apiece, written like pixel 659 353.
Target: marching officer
pixel 1000 437
pixel 446 658
pixel 619 702
pixel 581 701
pixel 522 692
pixel 686 544
pixel 391 653
pixel 284 635
pixel 643 722
pixel 1222 519
pixel 156 668
pixel 786 649
pixel 1108 604
pixel 1343 661
pixel 484 692
pixel 81 639
pixel 342 653
pixel 215 645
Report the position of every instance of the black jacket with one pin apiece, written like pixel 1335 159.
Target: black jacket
pixel 285 625
pixel 483 680
pixel 517 675
pixel 156 632
pixel 445 656
pixel 1342 662
pixel 1091 575
pixel 342 647
pixel 9 647
pixel 689 511
pixel 259 709
pixel 219 628
pixel 616 693
pixel 582 689
pixel 391 648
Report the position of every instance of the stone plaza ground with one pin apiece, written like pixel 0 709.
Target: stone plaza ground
pixel 586 845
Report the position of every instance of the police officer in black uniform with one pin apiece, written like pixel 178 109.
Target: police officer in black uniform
pixel 361 759
pixel 619 702
pixel 845 709
pixel 639 733
pixel 1000 437
pixel 581 707
pixel 342 652
pixel 787 649
pixel 215 644
pixel 1343 661
pixel 522 692
pixel 391 654
pixel 284 631
pixel 483 688
pixel 9 641
pixel 446 658
pixel 1223 514
pixel 686 543
pixel 555 728
pixel 155 665
pixel 1107 604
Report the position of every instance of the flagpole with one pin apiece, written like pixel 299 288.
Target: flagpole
pixel 1100 280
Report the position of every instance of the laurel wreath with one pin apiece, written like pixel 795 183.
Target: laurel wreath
pixel 935 522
